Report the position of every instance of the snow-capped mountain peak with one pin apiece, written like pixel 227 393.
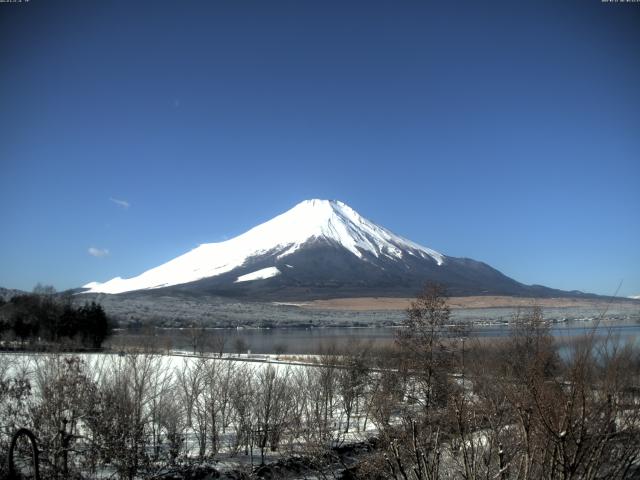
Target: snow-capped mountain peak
pixel 311 220
pixel 336 221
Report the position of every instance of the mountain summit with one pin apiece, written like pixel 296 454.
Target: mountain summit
pixel 310 221
pixel 318 249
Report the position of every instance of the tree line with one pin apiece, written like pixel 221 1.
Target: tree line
pixel 44 317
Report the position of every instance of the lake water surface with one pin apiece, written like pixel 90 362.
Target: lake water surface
pixel 316 340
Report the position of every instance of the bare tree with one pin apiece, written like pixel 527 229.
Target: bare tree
pixel 240 345
pixel 272 405
pixel 217 397
pixel 15 395
pixel 117 421
pixel 172 423
pixel 218 343
pixel 192 382
pixel 422 345
pixel 352 380
pixel 242 395
pixel 62 385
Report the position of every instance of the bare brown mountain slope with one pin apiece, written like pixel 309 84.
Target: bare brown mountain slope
pixel 491 301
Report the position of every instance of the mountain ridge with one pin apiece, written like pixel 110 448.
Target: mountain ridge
pixel 320 249
pixel 284 234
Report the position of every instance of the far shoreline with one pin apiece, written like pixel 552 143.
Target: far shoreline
pixel 462 303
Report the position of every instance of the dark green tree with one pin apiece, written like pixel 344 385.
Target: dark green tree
pixel 94 324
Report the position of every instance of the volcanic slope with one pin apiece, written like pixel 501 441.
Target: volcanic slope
pixel 319 249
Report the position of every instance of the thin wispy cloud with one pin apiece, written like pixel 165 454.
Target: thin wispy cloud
pixel 98 252
pixel 121 203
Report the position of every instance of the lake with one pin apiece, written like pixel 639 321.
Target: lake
pixel 315 340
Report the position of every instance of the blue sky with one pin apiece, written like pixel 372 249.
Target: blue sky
pixel 508 132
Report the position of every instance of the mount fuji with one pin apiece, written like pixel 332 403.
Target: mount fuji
pixel 319 249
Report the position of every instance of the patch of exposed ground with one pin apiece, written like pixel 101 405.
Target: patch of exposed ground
pixel 382 303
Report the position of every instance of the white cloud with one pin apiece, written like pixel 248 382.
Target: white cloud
pixel 98 252
pixel 121 203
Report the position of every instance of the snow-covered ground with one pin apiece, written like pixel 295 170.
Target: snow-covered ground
pixel 167 369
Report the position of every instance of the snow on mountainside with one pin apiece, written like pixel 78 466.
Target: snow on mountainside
pixel 259 274
pixel 285 234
